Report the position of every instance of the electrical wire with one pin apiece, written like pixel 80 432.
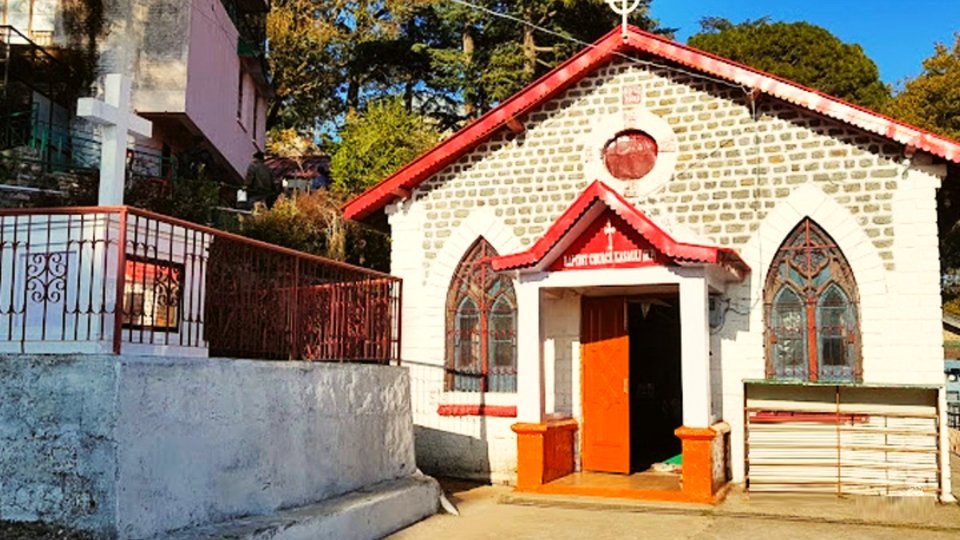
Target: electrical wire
pixel 728 307
pixel 582 43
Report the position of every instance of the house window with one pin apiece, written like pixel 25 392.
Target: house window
pixel 240 98
pixel 481 325
pixel 152 294
pixel 811 310
pixel 256 111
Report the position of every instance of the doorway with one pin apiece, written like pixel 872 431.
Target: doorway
pixel 656 398
pixel 632 393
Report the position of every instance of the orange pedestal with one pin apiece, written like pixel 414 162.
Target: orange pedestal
pixel 697 463
pixel 544 452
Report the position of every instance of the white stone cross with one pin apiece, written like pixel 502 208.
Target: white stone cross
pixel 113 113
pixel 609 230
pixel 624 8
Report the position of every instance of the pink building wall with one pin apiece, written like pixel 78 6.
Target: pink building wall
pixel 213 72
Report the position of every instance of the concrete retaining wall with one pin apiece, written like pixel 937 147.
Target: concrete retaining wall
pixel 137 446
pixel 58 451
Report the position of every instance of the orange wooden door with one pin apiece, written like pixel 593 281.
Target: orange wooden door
pixel 605 352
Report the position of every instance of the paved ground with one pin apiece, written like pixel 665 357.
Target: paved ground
pixel 482 516
pixel 496 512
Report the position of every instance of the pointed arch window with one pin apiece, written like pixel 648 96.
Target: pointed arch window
pixel 811 310
pixel 481 326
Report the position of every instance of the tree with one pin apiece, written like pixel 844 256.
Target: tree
pixel 313 223
pixel 290 144
pixel 497 50
pixel 800 52
pixel 448 60
pixel 321 53
pixel 376 143
pixel 305 72
pixel 932 99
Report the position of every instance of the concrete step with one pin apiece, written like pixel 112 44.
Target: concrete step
pixel 371 512
pixel 896 512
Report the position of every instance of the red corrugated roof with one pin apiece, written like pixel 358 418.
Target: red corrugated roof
pixel 600 193
pixel 601 52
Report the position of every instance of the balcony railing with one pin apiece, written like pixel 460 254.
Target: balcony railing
pixel 60 147
pixel 63 161
pixel 124 280
pixel 27 66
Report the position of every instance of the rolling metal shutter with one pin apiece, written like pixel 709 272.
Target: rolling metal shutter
pixel 842 439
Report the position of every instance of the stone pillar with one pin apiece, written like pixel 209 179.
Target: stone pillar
pixel 916 292
pixel 544 449
pixel 530 400
pixel 544 452
pixel 696 435
pixel 697 479
pixel 695 352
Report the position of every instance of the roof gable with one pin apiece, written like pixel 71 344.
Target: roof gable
pixel 603 51
pixel 578 226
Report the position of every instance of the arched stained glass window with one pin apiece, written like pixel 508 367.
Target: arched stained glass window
pixel 481 326
pixel 467 337
pixel 812 325
pixel 788 321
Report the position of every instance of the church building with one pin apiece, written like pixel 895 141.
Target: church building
pixel 655 272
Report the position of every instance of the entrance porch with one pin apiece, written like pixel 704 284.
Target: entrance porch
pixel 615 374
pixel 604 410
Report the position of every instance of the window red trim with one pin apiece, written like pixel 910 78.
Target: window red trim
pixel 474 279
pixel 781 417
pixel 817 252
pixel 479 409
pixel 163 282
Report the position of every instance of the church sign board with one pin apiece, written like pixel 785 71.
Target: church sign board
pixel 609 242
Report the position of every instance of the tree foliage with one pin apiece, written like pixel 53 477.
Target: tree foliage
pixel 492 52
pixel 382 78
pixel 377 143
pixel 288 143
pixel 313 223
pixel 932 99
pixel 321 55
pixel 448 60
pixel 800 52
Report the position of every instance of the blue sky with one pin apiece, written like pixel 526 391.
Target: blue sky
pixel 896 34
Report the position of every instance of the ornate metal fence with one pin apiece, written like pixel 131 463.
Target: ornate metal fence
pixel 177 288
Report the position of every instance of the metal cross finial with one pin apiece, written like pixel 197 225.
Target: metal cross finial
pixel 624 8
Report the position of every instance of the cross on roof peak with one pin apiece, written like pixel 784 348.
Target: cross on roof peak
pixel 624 8
pixel 114 114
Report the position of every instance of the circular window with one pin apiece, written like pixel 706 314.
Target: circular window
pixel 630 155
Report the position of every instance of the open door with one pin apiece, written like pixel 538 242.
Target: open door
pixel 605 352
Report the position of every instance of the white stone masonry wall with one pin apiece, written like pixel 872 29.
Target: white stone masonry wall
pixel 745 174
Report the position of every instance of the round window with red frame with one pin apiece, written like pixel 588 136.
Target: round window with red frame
pixel 630 155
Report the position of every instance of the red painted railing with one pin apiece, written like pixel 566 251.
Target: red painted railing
pixel 177 288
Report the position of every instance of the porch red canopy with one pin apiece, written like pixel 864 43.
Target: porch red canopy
pixel 601 229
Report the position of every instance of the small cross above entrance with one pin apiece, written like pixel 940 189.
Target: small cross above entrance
pixel 609 230
pixel 113 113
